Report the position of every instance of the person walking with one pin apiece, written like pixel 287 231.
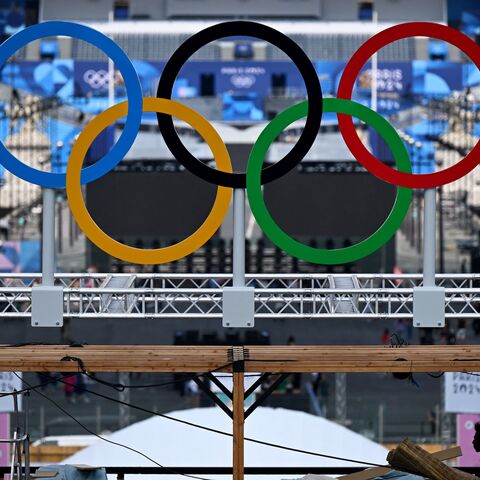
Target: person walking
pixel 69 384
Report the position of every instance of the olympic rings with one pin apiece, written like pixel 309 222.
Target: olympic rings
pixel 298 57
pixel 224 177
pixel 345 88
pixel 107 243
pixel 289 244
pixel 132 84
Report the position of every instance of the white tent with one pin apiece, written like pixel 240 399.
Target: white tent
pixel 173 444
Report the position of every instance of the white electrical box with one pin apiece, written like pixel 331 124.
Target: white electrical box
pixel 429 307
pixel 238 307
pixel 47 306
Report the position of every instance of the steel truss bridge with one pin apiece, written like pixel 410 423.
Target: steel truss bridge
pixel 276 295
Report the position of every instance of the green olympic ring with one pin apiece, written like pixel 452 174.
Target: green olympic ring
pixel 285 241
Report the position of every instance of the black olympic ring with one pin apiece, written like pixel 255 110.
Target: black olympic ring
pixel 298 57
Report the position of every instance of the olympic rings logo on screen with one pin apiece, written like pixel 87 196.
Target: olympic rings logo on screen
pixel 96 78
pixel 256 175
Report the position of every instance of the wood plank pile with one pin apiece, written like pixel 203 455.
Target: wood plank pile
pixel 376 472
pixel 408 457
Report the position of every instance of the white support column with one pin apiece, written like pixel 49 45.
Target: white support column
pixel 238 300
pixel 429 300
pixel 429 238
pixel 238 260
pixel 47 299
pixel 48 237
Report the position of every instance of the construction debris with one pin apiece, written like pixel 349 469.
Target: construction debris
pixel 408 457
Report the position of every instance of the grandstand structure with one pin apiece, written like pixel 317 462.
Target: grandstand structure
pixel 148 40
pixel 326 42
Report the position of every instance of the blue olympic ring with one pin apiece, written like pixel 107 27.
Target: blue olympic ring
pixel 132 84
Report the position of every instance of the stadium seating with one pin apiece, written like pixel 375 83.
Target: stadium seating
pixel 144 47
pixel 318 47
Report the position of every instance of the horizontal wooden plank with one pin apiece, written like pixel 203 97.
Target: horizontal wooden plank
pixel 198 359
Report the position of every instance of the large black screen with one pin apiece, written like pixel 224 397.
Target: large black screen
pixel 161 205
pixel 329 204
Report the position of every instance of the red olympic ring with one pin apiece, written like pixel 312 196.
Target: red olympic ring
pixel 346 85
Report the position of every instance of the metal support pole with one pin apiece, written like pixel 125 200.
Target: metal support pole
pixel 429 242
pixel 98 418
pixel 124 396
pixel 27 456
pixel 238 300
pixel 381 424
pixel 441 238
pixel 238 425
pixel 42 421
pixel 26 443
pixel 428 299
pixel 47 299
pixel 17 445
pixel 445 420
pixel 238 260
pixel 13 456
pixel 341 398
pixel 48 237
pixel 419 224
pixel 438 421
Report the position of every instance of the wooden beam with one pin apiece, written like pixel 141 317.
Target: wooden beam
pixel 238 425
pixel 432 358
pixel 258 359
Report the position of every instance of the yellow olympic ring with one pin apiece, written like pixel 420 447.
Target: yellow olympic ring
pixel 107 243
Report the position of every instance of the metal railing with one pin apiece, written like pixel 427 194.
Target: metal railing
pixel 276 295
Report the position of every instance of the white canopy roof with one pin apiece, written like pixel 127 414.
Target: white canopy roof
pixel 193 26
pixel 173 444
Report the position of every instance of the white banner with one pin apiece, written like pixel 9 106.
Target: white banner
pixel 8 383
pixel 462 393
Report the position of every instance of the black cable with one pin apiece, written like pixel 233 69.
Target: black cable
pixel 41 385
pixel 186 378
pixel 220 432
pixel 396 341
pixel 91 432
pixel 81 367
pixel 120 387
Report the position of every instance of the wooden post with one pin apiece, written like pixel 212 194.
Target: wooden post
pixel 238 424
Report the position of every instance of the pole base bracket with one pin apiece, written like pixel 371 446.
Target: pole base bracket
pixel 238 307
pixel 429 307
pixel 47 306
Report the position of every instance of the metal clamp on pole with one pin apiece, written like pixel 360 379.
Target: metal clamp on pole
pixel 47 299
pixel 238 355
pixel 429 300
pixel 238 300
